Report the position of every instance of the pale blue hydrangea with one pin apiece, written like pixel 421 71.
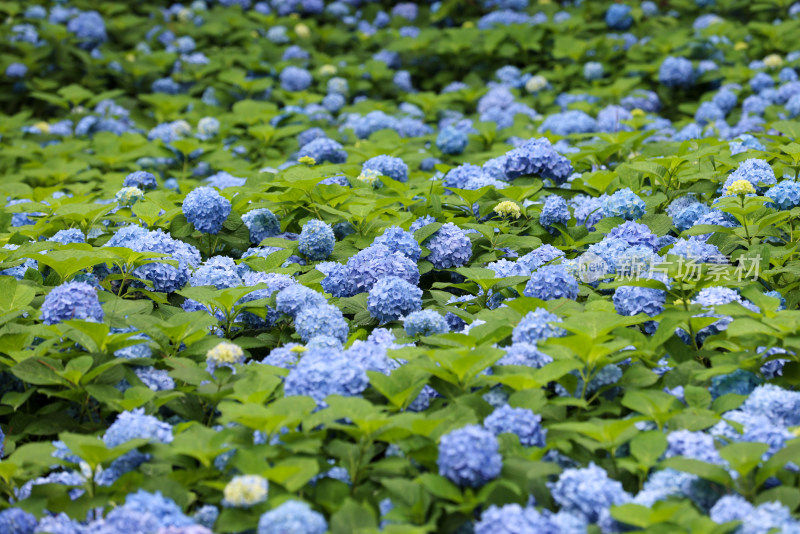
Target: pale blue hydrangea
pixel 206 210
pixel 618 17
pixel 140 179
pixel 392 298
pixel 540 256
pixel 676 72
pixel 217 271
pixel 695 445
pixel 785 195
pixel 525 354
pixel 316 240
pixel 520 421
pixel 72 300
pixel 449 246
pixel 469 456
pixel 551 282
pixel 293 517
pixel 394 168
pixel 16 521
pixel 588 492
pixel 536 326
pixel 554 211
pixel 295 79
pixel 261 223
pixel 324 372
pixel 756 171
pixel 624 203
pixel 323 150
pixel 365 268
pixel 451 140
pixel 325 320
pixel 593 70
pixel 569 122
pixel 398 240
pixel 425 323
pixel 297 297
pixel 136 424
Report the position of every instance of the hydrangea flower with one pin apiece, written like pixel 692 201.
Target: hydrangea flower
pixel 536 326
pixel 618 17
pixel 425 323
pixel 588 492
pixel 324 372
pixel 753 170
pixel 394 168
pixel 398 240
pixel 555 210
pixel 323 150
pixel 392 298
pixel 294 517
pixel 469 456
pixel 325 320
pixel 16 521
pixel 624 203
pixel 520 421
pixel 72 300
pixel 142 180
pixel 551 282
pixel 224 354
pixel 449 246
pixel 206 210
pixel 452 141
pixel 296 297
pixel 316 240
pixel 245 491
pixel 676 72
pixel 295 79
pixel 261 223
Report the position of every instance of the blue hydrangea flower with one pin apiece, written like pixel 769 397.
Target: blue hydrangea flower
pixel 551 282
pixel 140 179
pixel 217 271
pixel 514 519
pixel 16 521
pixel 740 382
pixel 469 456
pixel 449 246
pixel 631 300
pixel 72 300
pixel 89 28
pixel 392 298
pixel 618 17
pixel 555 210
pixel 593 70
pixel 785 195
pixel 537 157
pixel 136 424
pixel 394 168
pixel 780 405
pixel 320 320
pixel 540 256
pixel 610 119
pixel 525 354
pixel 756 171
pixel 324 372
pixel 624 203
pixel 323 150
pixel 642 99
pixel 206 210
pixel 695 248
pixel 708 113
pixel 536 326
pixel 520 421
pixel 295 79
pixel 316 240
pixel 398 240
pixel 569 122
pixel 292 516
pixel 365 268
pixel 425 323
pixel 452 140
pixel 588 492
pixel 261 223
pixel 297 297
pixel 676 72
pixel 695 445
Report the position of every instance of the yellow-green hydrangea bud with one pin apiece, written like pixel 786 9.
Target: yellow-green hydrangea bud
pixel 245 490
pixel 508 209
pixel 128 196
pixel 740 187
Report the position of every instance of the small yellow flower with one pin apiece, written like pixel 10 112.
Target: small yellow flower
pixel 741 45
pixel 130 57
pixel 245 490
pixel 678 302
pixel 544 2
pixel 468 24
pixel 536 83
pixel 508 209
pixel 740 187
pixel 298 348
pixel 327 70
pixel 307 160
pixel 43 127
pixel 773 61
pixel 370 176
pixel 302 31
pixel 225 353
pixel 637 112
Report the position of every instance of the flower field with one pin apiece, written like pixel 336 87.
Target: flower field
pixel 465 266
